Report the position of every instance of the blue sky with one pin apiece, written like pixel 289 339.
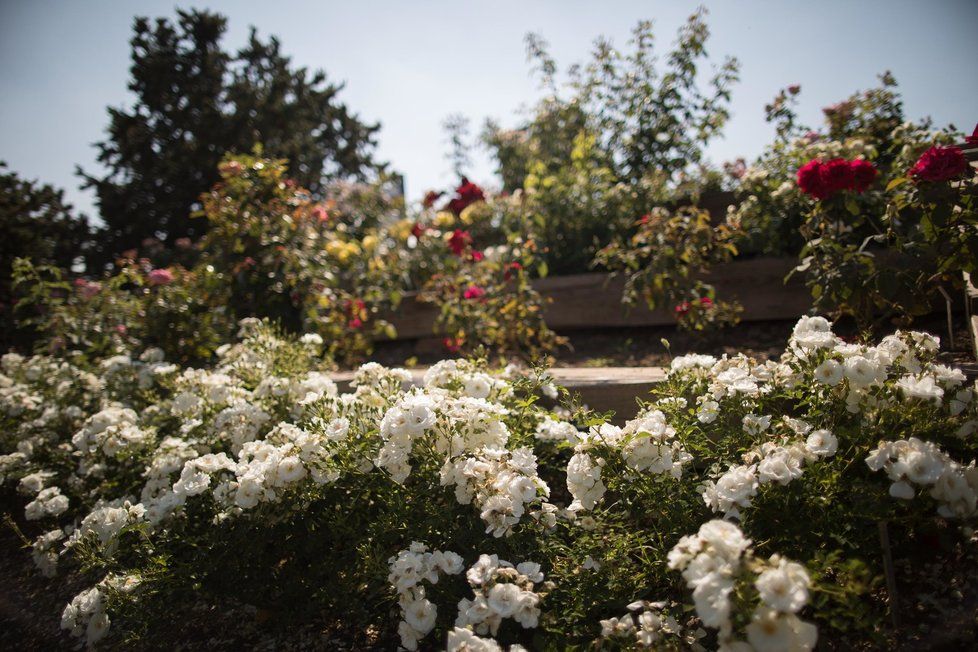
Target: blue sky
pixel 409 65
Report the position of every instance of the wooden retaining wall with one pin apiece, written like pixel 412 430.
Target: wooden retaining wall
pixel 602 389
pixel 583 301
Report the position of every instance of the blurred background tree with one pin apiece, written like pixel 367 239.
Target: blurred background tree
pixel 194 103
pixel 36 223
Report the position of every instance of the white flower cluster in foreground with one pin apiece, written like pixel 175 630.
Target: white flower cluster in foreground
pixel 909 462
pixel 712 562
pixel 501 591
pixel 141 454
pixel 649 625
pixel 777 462
pixel 408 569
pixel 646 444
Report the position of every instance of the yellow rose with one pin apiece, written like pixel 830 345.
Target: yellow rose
pixel 444 220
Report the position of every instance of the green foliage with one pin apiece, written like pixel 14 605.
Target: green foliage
pixel 664 262
pixel 194 103
pixel 37 224
pixel 629 134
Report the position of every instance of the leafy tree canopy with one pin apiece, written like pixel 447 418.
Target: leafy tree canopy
pixel 195 102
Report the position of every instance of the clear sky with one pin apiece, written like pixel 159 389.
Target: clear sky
pixel 409 64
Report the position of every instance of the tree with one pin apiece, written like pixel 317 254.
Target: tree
pixel 36 223
pixel 194 103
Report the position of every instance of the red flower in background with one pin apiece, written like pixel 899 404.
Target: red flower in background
pixel 836 175
pixel 863 174
pixel 477 256
pixel 459 241
pixel 810 180
pixel 821 180
pixel 320 214
pixel 418 230
pixel 474 292
pixel 356 311
pixel 466 194
pixel 430 198
pixel 973 138
pixel 511 270
pixel 939 164
pixel 453 344
pixel 706 302
pixel 160 277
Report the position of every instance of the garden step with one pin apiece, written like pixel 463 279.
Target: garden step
pixel 600 388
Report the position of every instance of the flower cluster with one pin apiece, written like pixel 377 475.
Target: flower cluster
pixel 501 591
pixel 940 164
pixel 909 462
pixel 500 483
pixel 646 445
pixel 650 625
pixel 822 179
pixel 713 561
pixel 408 569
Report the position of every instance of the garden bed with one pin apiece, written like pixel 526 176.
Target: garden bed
pixel 588 301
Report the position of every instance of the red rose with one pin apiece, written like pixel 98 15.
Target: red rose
pixel 452 344
pixel 863 174
pixel 459 241
pixel 794 89
pixel 466 194
pixel 430 198
pixel 474 292
pixel 706 302
pixel 644 219
pixel 417 230
pixel 511 269
pixel 810 180
pixel 939 164
pixel 320 214
pixel 355 323
pixel 973 138
pixel 837 175
pixel 682 308
pixel 477 256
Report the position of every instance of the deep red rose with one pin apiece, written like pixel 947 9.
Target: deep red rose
pixel 810 180
pixel 477 256
pixel 418 230
pixel 355 324
pixel 474 292
pixel 973 138
pixel 466 194
pixel 459 241
pixel 863 174
pixel 837 175
pixel 453 344
pixel 644 219
pixel 511 270
pixel 940 164
pixel 430 198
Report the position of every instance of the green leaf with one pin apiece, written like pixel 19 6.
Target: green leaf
pixel 897 182
pixel 542 270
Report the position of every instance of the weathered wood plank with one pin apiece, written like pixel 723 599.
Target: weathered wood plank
pixel 602 389
pixel 594 300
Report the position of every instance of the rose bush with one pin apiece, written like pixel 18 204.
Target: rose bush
pixel 739 508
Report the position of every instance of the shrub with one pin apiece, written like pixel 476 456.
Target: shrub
pixel 739 507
